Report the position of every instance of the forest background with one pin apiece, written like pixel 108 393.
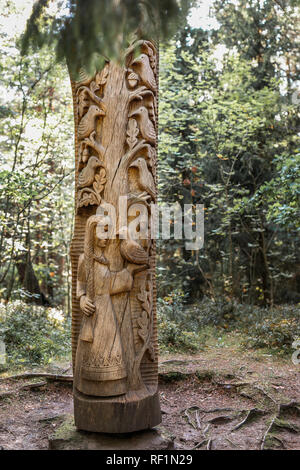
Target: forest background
pixel 229 139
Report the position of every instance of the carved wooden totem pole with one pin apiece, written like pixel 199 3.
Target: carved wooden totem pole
pixel 114 337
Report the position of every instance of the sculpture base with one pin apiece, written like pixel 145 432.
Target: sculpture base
pixel 134 411
pixel 67 437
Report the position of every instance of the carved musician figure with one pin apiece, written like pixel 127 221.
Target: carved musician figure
pixel 100 365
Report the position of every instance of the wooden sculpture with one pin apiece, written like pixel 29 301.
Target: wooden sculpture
pixel 114 337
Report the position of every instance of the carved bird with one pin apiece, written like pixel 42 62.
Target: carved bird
pixel 146 181
pixel 87 123
pixel 146 125
pixel 87 175
pixel 131 250
pixel 145 71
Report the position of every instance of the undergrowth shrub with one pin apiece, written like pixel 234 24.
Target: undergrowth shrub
pixel 32 334
pixel 275 329
pixel 271 328
pixel 173 334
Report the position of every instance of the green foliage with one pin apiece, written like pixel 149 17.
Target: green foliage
pixel 262 30
pixel 274 328
pixel 282 193
pixel 229 139
pixel 36 176
pixel 174 335
pixel 187 328
pixel 79 28
pixel 33 335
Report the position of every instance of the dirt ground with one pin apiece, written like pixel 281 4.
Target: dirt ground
pixel 219 399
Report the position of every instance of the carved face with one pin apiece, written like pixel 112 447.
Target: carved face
pixel 100 242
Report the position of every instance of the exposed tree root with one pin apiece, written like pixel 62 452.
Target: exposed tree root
pixel 250 416
pixel 205 431
pixel 292 406
pixel 278 424
pixel 279 440
pixel 31 375
pixel 30 386
pixel 234 384
pixel 195 424
pixel 268 431
pixel 212 410
pixel 35 385
pixel 209 444
pixel 200 444
pixel 175 362
pixel 7 394
pixel 198 419
pixel 221 419
pixel 265 393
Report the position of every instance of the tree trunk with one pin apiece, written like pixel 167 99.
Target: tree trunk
pixel 115 124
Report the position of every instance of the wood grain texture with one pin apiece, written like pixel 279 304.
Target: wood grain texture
pixel 114 334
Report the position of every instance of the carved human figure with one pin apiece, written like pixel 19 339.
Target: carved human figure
pixel 100 365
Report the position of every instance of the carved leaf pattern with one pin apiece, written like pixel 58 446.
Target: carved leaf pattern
pixel 144 298
pixel 89 196
pixel 132 133
pixel 144 320
pixel 100 180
